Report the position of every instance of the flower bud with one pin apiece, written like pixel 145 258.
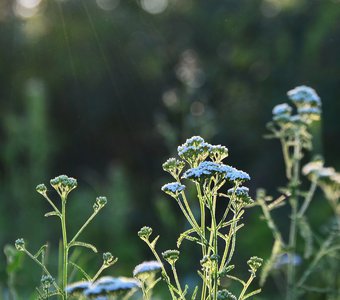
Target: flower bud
pixel 171 256
pixel 41 189
pixel 145 232
pixel 20 244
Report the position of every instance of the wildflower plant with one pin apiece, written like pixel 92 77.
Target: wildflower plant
pixel 50 285
pixel 200 165
pixel 292 126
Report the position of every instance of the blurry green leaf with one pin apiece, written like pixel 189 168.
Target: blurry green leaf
pixel 14 259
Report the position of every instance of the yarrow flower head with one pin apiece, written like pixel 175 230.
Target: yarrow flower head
pixel 145 269
pixel 217 153
pixel 282 109
pixel 63 185
pixel 240 195
pixel 110 286
pixel 304 94
pixel 237 175
pixel 173 166
pixel 194 150
pixel 312 113
pixel 171 256
pixel 225 295
pixel 173 188
pixel 313 168
pixel 205 170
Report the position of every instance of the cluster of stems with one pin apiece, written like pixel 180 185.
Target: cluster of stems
pixel 215 236
pixel 49 285
pixel 294 134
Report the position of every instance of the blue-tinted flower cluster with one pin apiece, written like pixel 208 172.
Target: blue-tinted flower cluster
pixel 304 94
pixel 204 170
pixel 194 150
pixel 173 188
pixel 207 169
pixel 105 286
pixel 146 268
pixel 282 109
pixel 240 191
pixel 284 260
pixel 240 195
pixel 308 106
pixel 237 175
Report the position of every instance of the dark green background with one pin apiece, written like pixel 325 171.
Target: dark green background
pixel 107 95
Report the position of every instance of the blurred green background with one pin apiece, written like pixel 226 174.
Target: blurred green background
pixel 105 90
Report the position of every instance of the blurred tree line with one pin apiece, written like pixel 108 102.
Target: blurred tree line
pixel 105 90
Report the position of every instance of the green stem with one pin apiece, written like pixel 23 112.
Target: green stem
pixel 65 246
pixel 84 226
pixel 308 199
pixel 286 157
pixel 245 287
pixel 294 183
pixel 46 272
pixel 103 267
pixel 202 211
pixel 178 285
pixel 52 204
pixel 230 236
pixel 215 243
pixel 270 222
pixel 164 273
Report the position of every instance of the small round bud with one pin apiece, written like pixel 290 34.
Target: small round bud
pixel 254 263
pixel 20 244
pixel 225 295
pixel 41 189
pixel 46 281
pixel 107 258
pixel 100 203
pixel 145 232
pixel 171 256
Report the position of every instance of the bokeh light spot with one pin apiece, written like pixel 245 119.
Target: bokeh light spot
pixel 30 4
pixel 154 6
pixel 197 108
